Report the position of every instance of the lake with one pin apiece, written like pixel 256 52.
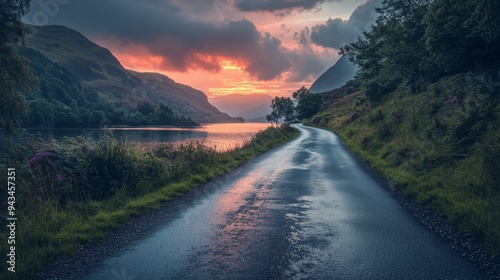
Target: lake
pixel 222 136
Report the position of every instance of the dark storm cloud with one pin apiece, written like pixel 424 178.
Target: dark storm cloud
pixel 336 33
pixel 302 36
pixel 278 5
pixel 185 42
pixel 307 65
pixel 266 65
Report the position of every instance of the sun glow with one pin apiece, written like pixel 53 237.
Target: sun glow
pixel 230 65
pixel 149 63
pixel 230 79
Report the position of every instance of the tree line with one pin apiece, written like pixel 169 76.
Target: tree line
pixel 15 73
pixel 416 42
pixel 412 44
pixel 304 105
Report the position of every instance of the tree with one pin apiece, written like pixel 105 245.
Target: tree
pixel 416 42
pixel 15 74
pixel 394 51
pixel 163 116
pixel 41 113
pixel 137 118
pixel 308 103
pixel 145 109
pixel 283 110
pixel 463 35
pixel 97 118
pixel 301 92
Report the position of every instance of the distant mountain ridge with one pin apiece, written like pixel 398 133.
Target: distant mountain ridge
pixel 336 76
pixel 101 72
pixel 252 107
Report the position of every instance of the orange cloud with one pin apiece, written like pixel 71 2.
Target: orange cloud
pixel 230 79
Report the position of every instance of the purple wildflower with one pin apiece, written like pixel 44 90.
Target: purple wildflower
pixel 453 102
pixel 60 178
pixel 87 149
pixel 39 158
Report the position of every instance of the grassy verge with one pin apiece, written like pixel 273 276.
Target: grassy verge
pixel 72 192
pixel 441 146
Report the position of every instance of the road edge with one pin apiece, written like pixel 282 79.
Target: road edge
pixel 469 248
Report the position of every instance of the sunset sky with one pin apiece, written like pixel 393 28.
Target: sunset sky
pixel 220 47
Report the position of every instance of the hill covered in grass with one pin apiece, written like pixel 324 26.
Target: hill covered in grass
pixel 62 101
pixel 441 146
pixel 96 75
pixel 424 112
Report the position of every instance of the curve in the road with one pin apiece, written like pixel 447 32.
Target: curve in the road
pixel 305 210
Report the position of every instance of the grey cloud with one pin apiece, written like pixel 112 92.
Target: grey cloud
pixel 184 41
pixel 336 33
pixel 266 65
pixel 278 5
pixel 302 36
pixel 307 65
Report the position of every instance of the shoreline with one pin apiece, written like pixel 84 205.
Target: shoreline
pixel 88 222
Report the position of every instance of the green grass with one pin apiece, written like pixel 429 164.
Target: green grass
pixel 441 146
pixel 73 192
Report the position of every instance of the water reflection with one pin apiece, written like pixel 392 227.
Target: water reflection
pixel 132 135
pixel 224 136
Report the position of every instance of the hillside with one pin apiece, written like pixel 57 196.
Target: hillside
pixel 425 113
pixel 336 76
pixel 100 71
pixel 250 107
pixel 183 99
pixel 63 101
pixel 441 147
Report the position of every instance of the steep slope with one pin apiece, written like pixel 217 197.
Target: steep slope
pixel 62 101
pixel 336 76
pixel 440 146
pixel 183 99
pixel 100 71
pixel 250 107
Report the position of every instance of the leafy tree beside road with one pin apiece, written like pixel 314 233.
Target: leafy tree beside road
pixel 308 103
pixel 15 73
pixel 283 110
pixel 415 43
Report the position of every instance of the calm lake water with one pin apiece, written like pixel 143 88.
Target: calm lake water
pixel 222 136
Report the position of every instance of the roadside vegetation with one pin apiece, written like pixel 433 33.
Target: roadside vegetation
pixel 441 146
pixel 304 105
pixel 424 108
pixel 73 191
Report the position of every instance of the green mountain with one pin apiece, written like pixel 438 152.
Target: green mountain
pixel 99 71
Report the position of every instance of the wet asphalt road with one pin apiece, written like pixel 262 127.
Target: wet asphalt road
pixel 306 210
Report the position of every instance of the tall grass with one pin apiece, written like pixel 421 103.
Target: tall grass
pixel 72 191
pixel 441 146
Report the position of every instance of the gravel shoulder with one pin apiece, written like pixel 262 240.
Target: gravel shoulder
pixel 469 247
